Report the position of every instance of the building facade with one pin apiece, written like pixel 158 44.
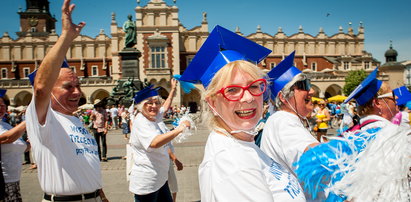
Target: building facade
pixel 167 47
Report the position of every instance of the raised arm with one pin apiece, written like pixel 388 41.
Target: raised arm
pixel 49 69
pixel 170 97
pixel 13 134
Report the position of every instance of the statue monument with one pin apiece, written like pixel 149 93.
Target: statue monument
pixel 123 93
pixel 129 54
pixel 129 83
pixel 129 27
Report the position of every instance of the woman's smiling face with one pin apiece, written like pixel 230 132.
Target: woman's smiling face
pixel 243 114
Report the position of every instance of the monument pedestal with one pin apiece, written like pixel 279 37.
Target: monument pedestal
pixel 130 63
pixel 129 83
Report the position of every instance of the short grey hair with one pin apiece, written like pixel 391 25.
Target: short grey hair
pixel 141 104
pixel 287 91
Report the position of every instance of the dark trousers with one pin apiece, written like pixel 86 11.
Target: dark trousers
pixel 97 136
pixel 161 195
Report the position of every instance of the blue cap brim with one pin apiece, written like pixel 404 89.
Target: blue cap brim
pixel 403 95
pixel 221 47
pixel 282 74
pixel 366 90
pixel 32 75
pixel 145 93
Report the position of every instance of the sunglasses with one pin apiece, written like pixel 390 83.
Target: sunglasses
pixel 390 96
pixel 303 84
pixel 235 93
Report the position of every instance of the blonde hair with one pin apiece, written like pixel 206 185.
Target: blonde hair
pixel 368 108
pixel 223 78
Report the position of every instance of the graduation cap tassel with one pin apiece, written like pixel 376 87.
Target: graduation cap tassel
pixel 186 86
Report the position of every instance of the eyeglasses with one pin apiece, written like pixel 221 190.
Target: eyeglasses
pixel 235 93
pixel 152 103
pixel 303 84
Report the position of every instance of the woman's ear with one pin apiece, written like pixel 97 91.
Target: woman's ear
pixel 211 104
pixel 281 97
pixel 376 104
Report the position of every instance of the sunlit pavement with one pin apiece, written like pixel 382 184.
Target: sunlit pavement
pixel 190 153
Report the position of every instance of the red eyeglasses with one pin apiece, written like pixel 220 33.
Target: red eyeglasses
pixel 235 93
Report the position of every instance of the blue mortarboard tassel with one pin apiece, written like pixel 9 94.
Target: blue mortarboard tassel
pixel 403 95
pixel 3 92
pixel 32 75
pixel 221 47
pixel 282 74
pixel 145 93
pixel 186 86
pixel 366 90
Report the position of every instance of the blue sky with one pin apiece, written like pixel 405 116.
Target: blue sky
pixel 383 20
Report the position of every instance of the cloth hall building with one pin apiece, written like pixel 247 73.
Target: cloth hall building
pixel 167 47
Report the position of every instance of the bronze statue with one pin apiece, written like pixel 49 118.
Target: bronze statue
pixel 129 27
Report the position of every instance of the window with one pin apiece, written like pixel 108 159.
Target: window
pixel 33 29
pixel 366 65
pixel 346 65
pixel 94 70
pixel 158 59
pixel 4 73
pixel 26 72
pixel 314 66
pixel 272 65
pixel 73 68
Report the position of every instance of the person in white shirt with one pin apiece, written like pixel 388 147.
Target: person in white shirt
pixel 65 152
pixel 114 116
pixel 12 148
pixel 148 142
pixel 373 157
pixel 284 135
pixel 233 167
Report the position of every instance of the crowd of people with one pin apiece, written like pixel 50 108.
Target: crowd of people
pixel 260 146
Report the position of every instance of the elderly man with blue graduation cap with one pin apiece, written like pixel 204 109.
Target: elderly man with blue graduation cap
pixel 65 152
pixel 148 141
pixel 234 168
pixel 371 161
pixel 285 135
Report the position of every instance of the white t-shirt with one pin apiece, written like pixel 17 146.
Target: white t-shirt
pixel 285 138
pixel 114 112
pixel 235 170
pixel 11 160
pixel 380 122
pixel 405 119
pixel 65 152
pixel 150 170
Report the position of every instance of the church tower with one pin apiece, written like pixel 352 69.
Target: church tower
pixel 36 19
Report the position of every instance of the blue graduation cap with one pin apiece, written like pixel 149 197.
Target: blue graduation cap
pixel 403 95
pixel 283 73
pixel 145 93
pixel 33 74
pixel 221 47
pixel 366 90
pixel 2 92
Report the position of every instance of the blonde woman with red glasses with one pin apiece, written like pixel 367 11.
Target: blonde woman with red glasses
pixel 234 168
